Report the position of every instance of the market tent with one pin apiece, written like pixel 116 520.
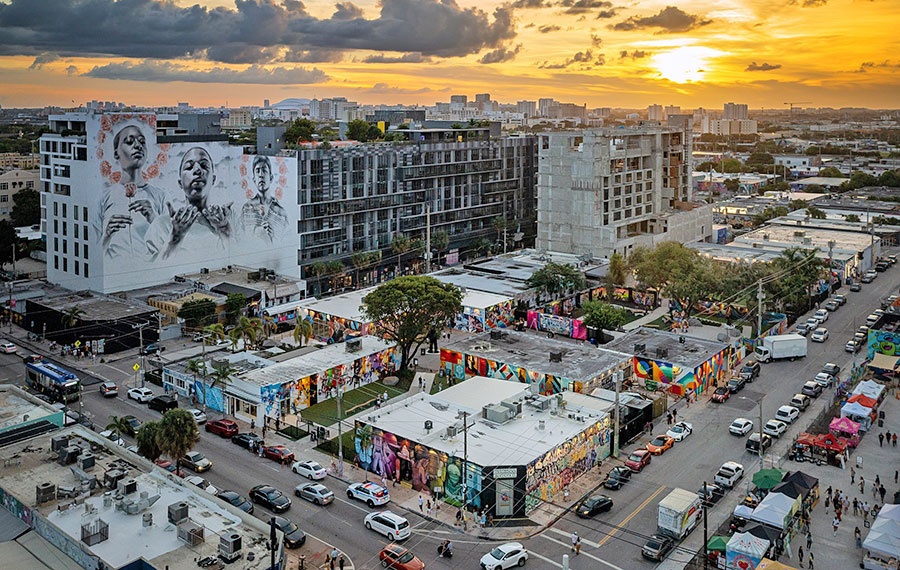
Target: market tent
pixel 845 425
pixel 717 543
pixel 802 479
pixel 890 512
pixel 763 531
pixel 858 412
pixel 743 546
pixel 884 538
pixel 767 478
pixel 869 388
pixel 742 511
pixel 790 489
pixel 775 510
pixel 883 362
pixel 863 400
pixel 766 564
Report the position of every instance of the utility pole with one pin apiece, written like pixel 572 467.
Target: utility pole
pixel 203 352
pixel 340 431
pixel 465 509
pixel 759 309
pixel 427 237
pixel 705 527
pixel 618 377
pixel 761 398
pixel 141 337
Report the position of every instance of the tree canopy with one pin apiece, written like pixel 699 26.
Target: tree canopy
pixel 618 271
pixel 196 312
pixel 148 441
pixel 603 316
pixel 178 434
pixel 301 130
pixel 26 209
pixel 831 172
pixel 234 306
pixel 556 278
pixel 358 130
pixel 407 308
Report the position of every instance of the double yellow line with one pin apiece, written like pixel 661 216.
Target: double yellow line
pixel 631 516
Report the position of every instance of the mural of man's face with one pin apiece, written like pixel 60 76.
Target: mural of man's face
pixel 130 147
pixel 262 175
pixel 197 174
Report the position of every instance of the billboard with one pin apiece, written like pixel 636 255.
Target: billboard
pixel 171 208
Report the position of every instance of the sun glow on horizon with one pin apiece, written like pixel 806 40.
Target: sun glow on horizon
pixel 684 64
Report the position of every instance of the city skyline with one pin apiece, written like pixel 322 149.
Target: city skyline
pixel 699 53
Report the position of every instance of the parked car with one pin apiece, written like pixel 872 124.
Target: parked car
pixel 224 428
pixel 199 416
pixel 872 319
pixel 813 323
pixel 657 547
pixel 638 459
pixel 309 469
pixel 832 305
pixel 856 287
pixel 821 315
pixel 369 493
pixel 202 483
pixel 246 439
pixel 32 358
pixel 736 384
pixel 8 348
pixel 166 464
pixel 113 437
pixel 740 426
pixel 270 497
pixel 142 395
pixel 819 335
pixel 133 422
pixel 832 368
pixel 196 461
pixel 388 523
pixel 841 299
pixel 617 477
pixel 800 401
pixel 399 558
pixel 852 346
pixel 162 404
pixel 680 431
pixel 824 379
pixel 660 444
pixel 109 390
pixel 774 428
pixel 710 493
pixel 278 453
pixel 505 556
pixel 787 414
pixel 802 329
pixel 811 389
pixel 729 473
pixel 750 370
pixel 591 506
pixel 293 536
pixel 315 493
pixel 236 500
pixel 151 348
pixel 867 278
pixel 721 394
pixel 752 444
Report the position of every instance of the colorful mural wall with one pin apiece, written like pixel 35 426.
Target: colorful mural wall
pixel 329 328
pixel 623 296
pixel 477 319
pixel 658 374
pixel 557 468
pixel 565 326
pixel 426 469
pixel 884 342
pixel 459 366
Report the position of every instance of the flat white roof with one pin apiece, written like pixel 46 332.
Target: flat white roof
pixel 346 305
pixel 482 299
pixel 519 441
pixel 313 362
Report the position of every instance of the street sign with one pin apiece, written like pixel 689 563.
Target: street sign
pixel 136 367
pixel 77 343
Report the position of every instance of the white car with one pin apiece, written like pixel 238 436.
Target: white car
pixel 8 347
pixel 113 437
pixel 741 426
pixel 774 428
pixel 369 493
pixel 824 379
pixel 812 323
pixel 680 431
pixel 202 483
pixel 821 315
pixel 391 525
pixel 505 556
pixel 819 335
pixel 309 469
pixel 199 416
pixel 142 395
pixel 729 474
pixel 787 414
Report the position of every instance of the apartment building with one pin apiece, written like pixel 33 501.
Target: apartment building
pixel 11 160
pixel 728 126
pixel 655 113
pixel 12 182
pixel 237 119
pixel 356 199
pixel 602 191
pixel 735 111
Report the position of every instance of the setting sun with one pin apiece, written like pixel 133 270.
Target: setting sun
pixel 684 64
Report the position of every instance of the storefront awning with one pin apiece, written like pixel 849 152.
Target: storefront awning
pixel 883 362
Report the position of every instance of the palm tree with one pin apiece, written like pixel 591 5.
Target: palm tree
pixel 148 441
pixel 119 425
pixel 317 270
pixel 178 434
pixel 216 331
pixel 71 317
pixel 499 224
pixel 220 377
pixel 440 241
pixel 400 245
pixel 195 368
pixel 302 331
pixel 234 335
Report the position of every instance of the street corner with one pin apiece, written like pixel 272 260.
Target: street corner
pixel 316 554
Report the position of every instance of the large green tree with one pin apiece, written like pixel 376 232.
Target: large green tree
pixel 26 208
pixel 196 312
pixel 556 278
pixel 148 441
pixel 792 274
pixel 358 130
pixel 603 316
pixel 618 271
pixel 407 308
pixel 830 172
pixel 234 307
pixel 678 271
pixel 301 130
pixel 178 434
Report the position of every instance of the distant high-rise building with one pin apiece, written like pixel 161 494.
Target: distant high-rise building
pixel 672 110
pixel 482 97
pixel 728 126
pixel 655 112
pixel 735 111
pixel 460 99
pixel 544 105
pixel 265 103
pixel 527 108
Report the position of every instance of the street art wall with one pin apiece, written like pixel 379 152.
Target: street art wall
pixel 884 342
pixel 476 320
pixel 427 470
pixel 557 468
pixel 330 328
pixel 622 295
pixel 660 375
pixel 459 366
pixel 572 328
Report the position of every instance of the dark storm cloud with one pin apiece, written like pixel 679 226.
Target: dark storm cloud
pixel 313 56
pixel 670 19
pixel 247 33
pixel 583 6
pixel 405 58
pixel 500 55
pixel 636 54
pixel 762 67
pixel 607 14
pixel 43 59
pixel 162 71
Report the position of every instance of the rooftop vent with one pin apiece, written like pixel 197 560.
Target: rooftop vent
pixel 639 347
pixel 662 353
pixel 556 356
pixel 354 344
pixel 178 512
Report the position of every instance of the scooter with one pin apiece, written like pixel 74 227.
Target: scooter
pixel 444 554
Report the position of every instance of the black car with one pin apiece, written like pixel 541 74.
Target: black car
pixel 617 477
pixel 736 384
pixel 162 404
pixel 593 505
pixel 237 500
pixel 657 547
pixel 152 348
pixel 270 497
pixel 244 439
pixel 712 492
pixel 831 368
pixel 750 371
pixel 293 536
pixel 133 422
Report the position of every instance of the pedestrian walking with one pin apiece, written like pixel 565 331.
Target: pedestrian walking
pixel 877 480
pixel 428 507
pixel 674 415
pixel 458 517
pixel 827 503
pixel 875 491
pixel 838 512
pixel 575 540
pixel 800 555
pixel 331 562
pixel 334 557
pixel 887 436
pixel 852 476
pixel 811 560
pixel 882 492
pixel 855 507
pixel 384 481
pixel 865 510
pixel 566 494
pixel 858 536
pixel 881 440
pixel 862 484
pixel 421 502
pixel 835 524
pixel 808 540
pixel 341 562
pixel 894 440
pixel 578 546
pixel 896 474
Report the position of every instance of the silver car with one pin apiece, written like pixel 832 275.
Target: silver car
pixel 314 493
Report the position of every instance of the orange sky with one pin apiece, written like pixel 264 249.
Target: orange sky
pixel 829 53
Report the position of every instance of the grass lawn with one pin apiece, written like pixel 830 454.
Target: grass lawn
pixel 352 402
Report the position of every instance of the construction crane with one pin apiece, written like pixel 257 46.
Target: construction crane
pixel 792 103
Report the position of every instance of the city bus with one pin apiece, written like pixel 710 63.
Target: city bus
pixel 53 381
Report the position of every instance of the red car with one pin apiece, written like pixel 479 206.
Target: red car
pixel 167 465
pixel 639 459
pixel 721 394
pixel 224 428
pixel 279 453
pixel 400 558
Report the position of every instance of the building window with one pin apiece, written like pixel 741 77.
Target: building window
pixel 55 262
pixel 76 248
pixel 75 217
pixel 65 264
pixel 84 216
pixel 4 198
pixel 55 206
pixel 85 253
pixel 76 267
pixel 84 233
pixel 55 244
pixel 65 246
pixel 64 210
pixel 86 272
pixel 64 228
pixel 75 228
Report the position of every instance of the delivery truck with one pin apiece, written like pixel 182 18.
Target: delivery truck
pixel 780 346
pixel 678 514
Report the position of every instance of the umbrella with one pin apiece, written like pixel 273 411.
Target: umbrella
pixel 767 478
pixel 718 543
pixel 766 564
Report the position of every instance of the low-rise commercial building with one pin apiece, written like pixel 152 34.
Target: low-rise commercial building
pixel 11 183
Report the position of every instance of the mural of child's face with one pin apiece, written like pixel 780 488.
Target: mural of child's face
pixel 130 147
pixel 197 174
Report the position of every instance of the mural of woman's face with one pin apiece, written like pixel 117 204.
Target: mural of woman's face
pixel 197 175
pixel 130 148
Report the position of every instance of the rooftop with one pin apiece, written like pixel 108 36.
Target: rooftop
pixel 245 277
pixel 693 352
pixel 313 362
pixel 821 181
pixel 518 441
pixel 120 514
pixel 240 361
pixel 96 307
pixel 807 236
pixel 18 406
pixel 746 252
pixel 580 362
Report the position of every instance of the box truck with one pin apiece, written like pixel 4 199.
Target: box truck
pixel 678 514
pixel 781 346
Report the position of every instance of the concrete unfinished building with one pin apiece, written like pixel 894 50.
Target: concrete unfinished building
pixel 602 191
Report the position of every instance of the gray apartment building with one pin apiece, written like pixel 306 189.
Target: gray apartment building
pixel 357 198
pixel 602 191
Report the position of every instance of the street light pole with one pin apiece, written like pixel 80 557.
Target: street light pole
pixel 340 431
pixel 618 378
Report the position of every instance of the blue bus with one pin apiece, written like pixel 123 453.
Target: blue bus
pixel 55 382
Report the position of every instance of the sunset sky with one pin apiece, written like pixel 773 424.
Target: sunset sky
pixel 826 53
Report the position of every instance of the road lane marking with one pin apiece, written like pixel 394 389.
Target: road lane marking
pixel 544 558
pixel 564 533
pixel 354 505
pixel 587 554
pixel 631 516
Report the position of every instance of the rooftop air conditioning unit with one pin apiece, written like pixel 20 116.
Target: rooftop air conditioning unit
pixel 639 347
pixel 178 512
pixel 662 352
pixel 514 406
pixel 452 430
pixel 86 461
pixel 556 356
pixel 58 442
pixel 496 413
pixel 44 493
pixel 204 271
pixel 127 486
pixel 230 546
pixel 354 344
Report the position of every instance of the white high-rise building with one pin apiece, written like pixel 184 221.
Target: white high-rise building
pixel 655 112
pixel 735 111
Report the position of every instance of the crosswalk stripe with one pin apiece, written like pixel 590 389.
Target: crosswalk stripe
pixel 591 556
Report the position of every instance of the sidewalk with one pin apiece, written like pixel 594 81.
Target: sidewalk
pixel 656 313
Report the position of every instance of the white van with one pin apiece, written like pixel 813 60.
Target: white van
pixel 391 525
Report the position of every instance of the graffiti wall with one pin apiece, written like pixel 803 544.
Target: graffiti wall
pixel 884 342
pixel 557 468
pixel 565 326
pixel 459 366
pixel 475 319
pixel 330 328
pixel 624 296
pixel 657 374
pixel 426 469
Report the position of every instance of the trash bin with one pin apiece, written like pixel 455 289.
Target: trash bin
pixel 881 414
pixel 880 422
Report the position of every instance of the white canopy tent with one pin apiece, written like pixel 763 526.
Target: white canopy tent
pixel 883 540
pixel 869 388
pixel 858 413
pixel 744 543
pixel 775 510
